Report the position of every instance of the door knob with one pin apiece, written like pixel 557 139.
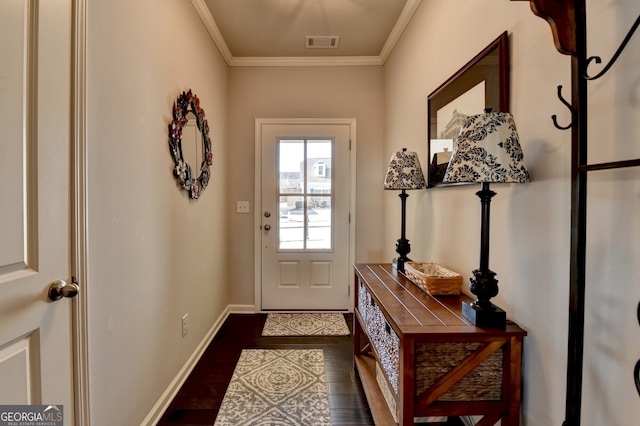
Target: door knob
pixel 267 214
pixel 59 289
pixel 267 227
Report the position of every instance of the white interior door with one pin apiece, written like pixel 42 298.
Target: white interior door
pixel 35 76
pixel 305 203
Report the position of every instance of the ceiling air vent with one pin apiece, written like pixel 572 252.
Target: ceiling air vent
pixel 322 42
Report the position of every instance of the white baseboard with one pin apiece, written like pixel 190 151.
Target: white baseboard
pixel 241 309
pixel 167 396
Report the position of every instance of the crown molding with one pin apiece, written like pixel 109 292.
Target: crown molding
pixel 212 28
pixel 307 61
pixel 315 61
pixel 401 24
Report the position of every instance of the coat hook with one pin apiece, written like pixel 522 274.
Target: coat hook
pixel 568 105
pixel 636 370
pixel 598 60
pixel 636 376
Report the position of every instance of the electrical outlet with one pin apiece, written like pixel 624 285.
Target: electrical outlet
pixel 185 324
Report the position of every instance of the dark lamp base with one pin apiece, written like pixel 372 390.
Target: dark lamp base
pixel 398 263
pixel 493 317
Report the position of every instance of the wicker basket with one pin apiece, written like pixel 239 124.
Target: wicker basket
pixel 435 360
pixel 433 278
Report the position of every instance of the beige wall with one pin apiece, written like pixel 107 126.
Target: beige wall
pixel 303 92
pixel 154 254
pixel 530 227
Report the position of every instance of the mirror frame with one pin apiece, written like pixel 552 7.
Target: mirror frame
pixel 482 68
pixel 187 103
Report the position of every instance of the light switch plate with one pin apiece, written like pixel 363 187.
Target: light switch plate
pixel 242 207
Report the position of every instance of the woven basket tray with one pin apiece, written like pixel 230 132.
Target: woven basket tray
pixel 433 278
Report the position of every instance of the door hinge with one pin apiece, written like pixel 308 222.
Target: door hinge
pixel 349 144
pixel 349 290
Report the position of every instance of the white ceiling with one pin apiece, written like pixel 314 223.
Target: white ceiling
pixel 272 32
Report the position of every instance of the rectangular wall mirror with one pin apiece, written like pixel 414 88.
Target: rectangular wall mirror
pixel 482 83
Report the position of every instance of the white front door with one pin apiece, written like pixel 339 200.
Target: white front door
pixel 304 216
pixel 35 111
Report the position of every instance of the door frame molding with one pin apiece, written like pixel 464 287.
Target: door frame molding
pixel 79 235
pixel 259 123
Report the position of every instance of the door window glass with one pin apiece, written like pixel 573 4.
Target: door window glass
pixel 305 194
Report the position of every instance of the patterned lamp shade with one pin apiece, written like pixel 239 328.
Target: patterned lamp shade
pixel 488 150
pixel 404 171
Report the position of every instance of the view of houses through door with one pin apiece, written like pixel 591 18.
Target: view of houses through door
pixel 304 215
pixel 36 359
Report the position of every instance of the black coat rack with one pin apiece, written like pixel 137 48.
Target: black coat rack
pixel 568 22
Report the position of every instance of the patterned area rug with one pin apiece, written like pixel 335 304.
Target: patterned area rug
pixel 305 324
pixel 277 387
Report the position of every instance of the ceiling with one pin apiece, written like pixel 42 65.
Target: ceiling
pixel 273 32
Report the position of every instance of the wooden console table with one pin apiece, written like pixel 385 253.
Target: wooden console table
pixel 418 357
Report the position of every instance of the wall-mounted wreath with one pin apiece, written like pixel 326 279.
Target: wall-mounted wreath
pixel 188 102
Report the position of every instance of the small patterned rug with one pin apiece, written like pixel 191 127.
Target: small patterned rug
pixel 306 324
pixel 277 387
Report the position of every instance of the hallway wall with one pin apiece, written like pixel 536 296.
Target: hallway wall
pixel 530 223
pixel 154 254
pixel 304 92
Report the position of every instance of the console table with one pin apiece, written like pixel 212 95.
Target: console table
pixel 418 357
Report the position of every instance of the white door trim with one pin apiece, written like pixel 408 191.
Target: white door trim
pixel 79 237
pixel 259 122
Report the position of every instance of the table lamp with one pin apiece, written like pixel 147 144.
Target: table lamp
pixel 488 151
pixel 404 173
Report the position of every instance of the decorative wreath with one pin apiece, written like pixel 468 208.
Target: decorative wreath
pixel 188 102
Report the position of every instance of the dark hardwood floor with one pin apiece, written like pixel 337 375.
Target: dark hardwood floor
pixel 200 397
